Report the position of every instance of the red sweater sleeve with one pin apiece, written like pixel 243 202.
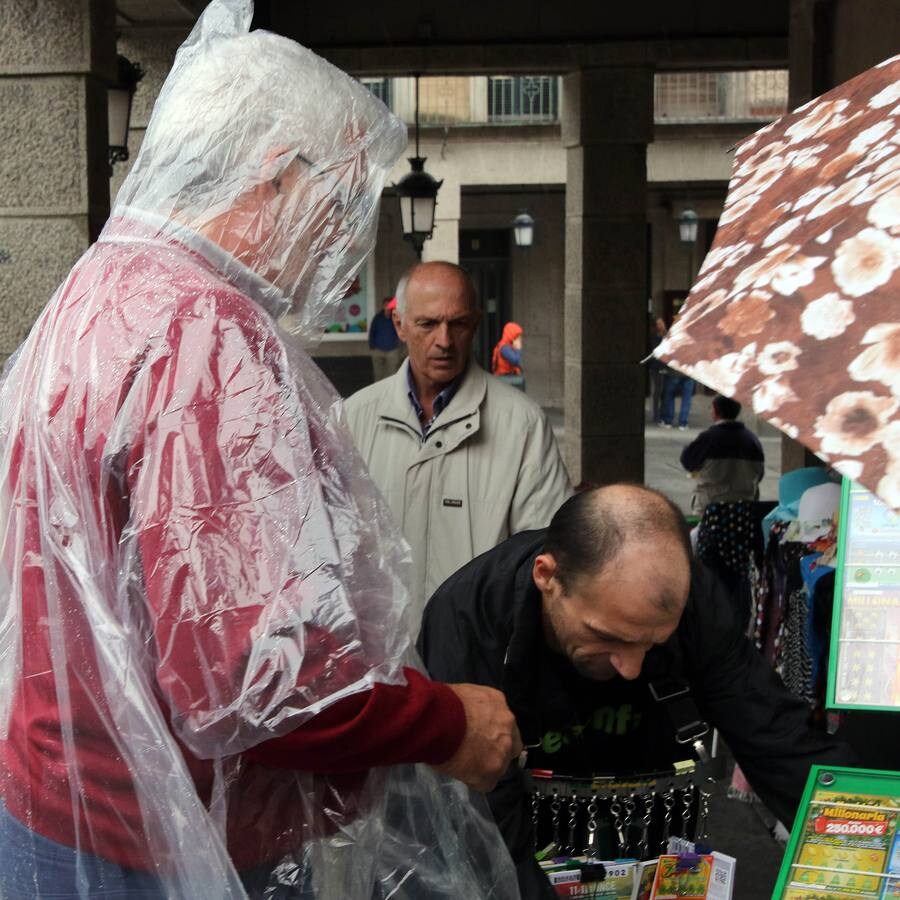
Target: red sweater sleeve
pixel 421 721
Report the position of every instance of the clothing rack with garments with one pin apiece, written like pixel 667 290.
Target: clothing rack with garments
pixel 790 582
pixel 792 594
pixel 730 542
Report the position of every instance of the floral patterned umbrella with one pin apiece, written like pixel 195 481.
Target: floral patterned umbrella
pixel 795 309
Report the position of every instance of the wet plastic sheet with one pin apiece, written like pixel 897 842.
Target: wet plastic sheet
pixel 193 559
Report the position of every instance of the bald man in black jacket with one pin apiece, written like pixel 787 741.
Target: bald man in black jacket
pixel 574 623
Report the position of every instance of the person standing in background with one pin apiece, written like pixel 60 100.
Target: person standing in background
pixel 462 459
pixel 727 459
pixel 506 360
pixel 674 381
pixel 384 344
pixel 673 384
pixel 658 371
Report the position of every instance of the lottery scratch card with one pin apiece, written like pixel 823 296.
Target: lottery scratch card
pixel 646 875
pixel 617 885
pixel 845 842
pixel 845 846
pixel 676 882
pixel 794 893
pixel 864 669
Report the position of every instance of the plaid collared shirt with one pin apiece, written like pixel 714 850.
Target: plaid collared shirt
pixel 441 402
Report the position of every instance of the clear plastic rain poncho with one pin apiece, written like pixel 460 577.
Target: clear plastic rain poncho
pixel 193 558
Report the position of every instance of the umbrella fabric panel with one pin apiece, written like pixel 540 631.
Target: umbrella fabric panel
pixel 795 308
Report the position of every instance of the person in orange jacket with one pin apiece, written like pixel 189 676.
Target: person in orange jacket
pixel 506 360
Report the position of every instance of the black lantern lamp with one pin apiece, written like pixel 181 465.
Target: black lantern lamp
pixel 687 226
pixel 118 99
pixel 523 229
pixel 418 196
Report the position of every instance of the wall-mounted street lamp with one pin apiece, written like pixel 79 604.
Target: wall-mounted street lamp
pixel 118 101
pixel 523 229
pixel 418 196
pixel 687 226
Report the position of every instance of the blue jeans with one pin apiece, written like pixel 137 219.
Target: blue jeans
pixel 687 392
pixel 34 866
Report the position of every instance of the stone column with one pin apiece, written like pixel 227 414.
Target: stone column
pixel 56 58
pixel 607 124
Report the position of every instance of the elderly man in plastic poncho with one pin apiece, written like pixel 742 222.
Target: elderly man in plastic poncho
pixel 203 654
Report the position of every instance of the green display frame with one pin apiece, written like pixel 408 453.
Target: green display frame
pixel 850 783
pixel 834 661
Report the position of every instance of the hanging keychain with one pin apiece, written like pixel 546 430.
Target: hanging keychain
pixel 573 821
pixel 701 833
pixel 629 818
pixel 687 797
pixel 615 809
pixel 590 851
pixel 668 806
pixel 535 816
pixel 555 808
pixel 649 801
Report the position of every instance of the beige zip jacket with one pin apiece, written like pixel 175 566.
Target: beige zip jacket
pixel 489 467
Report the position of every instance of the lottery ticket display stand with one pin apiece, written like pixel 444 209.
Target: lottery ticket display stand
pixel 846 841
pixel 864 665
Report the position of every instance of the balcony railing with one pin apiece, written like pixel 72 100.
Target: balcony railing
pixel 678 98
pixel 697 97
pixel 523 100
pixel 476 100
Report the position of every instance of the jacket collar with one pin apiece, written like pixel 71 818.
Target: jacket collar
pixel 525 689
pixel 465 402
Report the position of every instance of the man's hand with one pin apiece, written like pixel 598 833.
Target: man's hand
pixel 492 738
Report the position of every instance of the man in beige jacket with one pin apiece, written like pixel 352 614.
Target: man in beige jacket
pixel 463 459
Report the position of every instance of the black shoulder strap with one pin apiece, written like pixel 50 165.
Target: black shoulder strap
pixel 673 696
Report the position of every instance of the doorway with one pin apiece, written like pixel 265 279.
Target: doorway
pixel 484 254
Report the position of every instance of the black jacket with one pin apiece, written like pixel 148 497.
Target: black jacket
pixel 727 461
pixel 483 625
pixel 728 439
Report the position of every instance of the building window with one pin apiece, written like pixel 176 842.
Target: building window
pixel 759 95
pixel 523 99
pixel 381 88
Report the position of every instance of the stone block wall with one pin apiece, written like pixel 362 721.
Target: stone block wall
pixel 56 58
